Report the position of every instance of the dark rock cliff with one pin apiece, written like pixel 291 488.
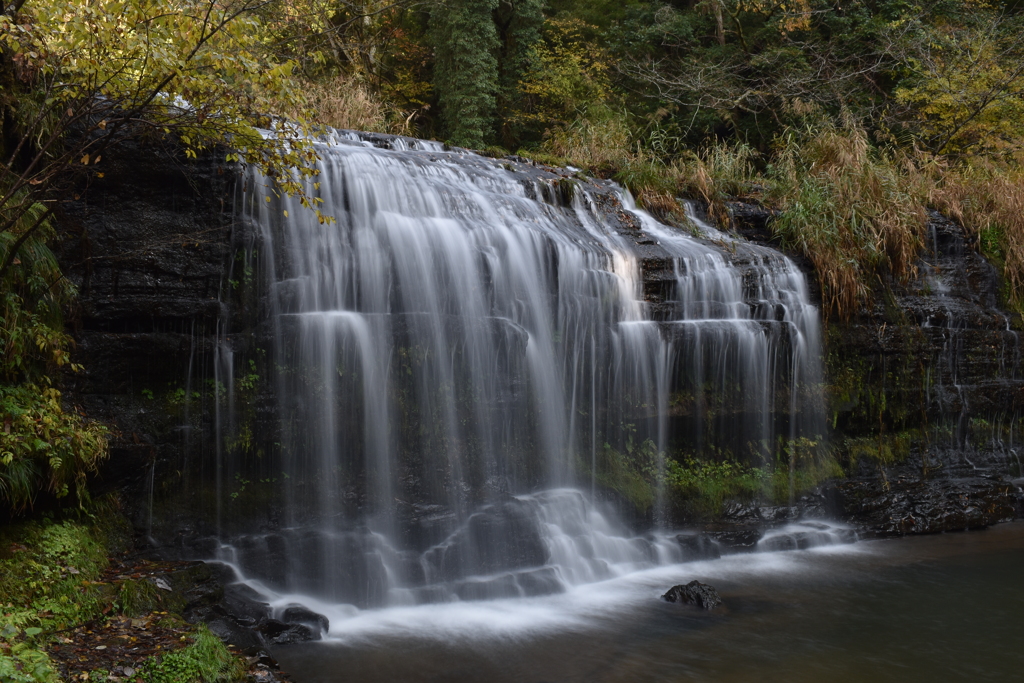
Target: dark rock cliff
pixel 925 391
pixel 925 383
pixel 148 245
pixel 168 289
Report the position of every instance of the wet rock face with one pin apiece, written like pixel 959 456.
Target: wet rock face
pixel 804 535
pixel 698 546
pixel 281 633
pixel 147 246
pixel 945 358
pixel 926 393
pixel 504 536
pixel 938 347
pixel 297 614
pixel 162 263
pixel 694 593
pixel 240 617
pixel 924 506
pixel 154 249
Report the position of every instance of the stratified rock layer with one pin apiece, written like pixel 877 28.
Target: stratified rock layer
pixel 925 396
pixel 927 376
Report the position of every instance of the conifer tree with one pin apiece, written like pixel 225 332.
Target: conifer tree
pixel 519 27
pixel 466 68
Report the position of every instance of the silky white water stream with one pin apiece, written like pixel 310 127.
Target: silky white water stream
pixel 469 346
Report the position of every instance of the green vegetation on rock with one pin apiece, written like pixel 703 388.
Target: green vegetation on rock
pixel 43 447
pixel 52 583
pixel 698 488
pixel 205 660
pixel 48 574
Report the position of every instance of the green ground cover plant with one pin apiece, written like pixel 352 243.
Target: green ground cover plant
pixel 53 585
pixel 699 487
pixel 205 660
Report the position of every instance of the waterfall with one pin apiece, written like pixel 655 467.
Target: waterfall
pixel 471 345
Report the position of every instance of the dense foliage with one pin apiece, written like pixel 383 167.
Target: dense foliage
pixel 465 68
pixel 946 75
pixel 53 587
pixel 76 78
pixel 47 575
pixel 43 447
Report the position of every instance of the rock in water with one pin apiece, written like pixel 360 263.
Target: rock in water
pixel 694 593
pixel 280 633
pixel 297 614
pixel 698 546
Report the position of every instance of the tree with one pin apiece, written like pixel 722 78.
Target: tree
pixel 519 28
pixel 748 69
pixel 568 76
pixel 79 77
pixel 334 35
pixel 963 86
pixel 43 447
pixel 75 79
pixel 465 43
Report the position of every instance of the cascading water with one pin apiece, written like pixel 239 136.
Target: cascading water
pixel 471 345
pixel 948 312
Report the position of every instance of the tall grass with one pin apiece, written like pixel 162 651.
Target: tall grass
pixel 342 102
pixel 601 143
pixel 718 173
pixel 853 211
pixel 606 146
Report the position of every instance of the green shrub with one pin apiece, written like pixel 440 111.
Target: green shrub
pixel 205 660
pixel 137 597
pixel 43 448
pixel 800 465
pixel 700 488
pixel 703 487
pixel 630 474
pixel 20 662
pixel 32 294
pixel 46 580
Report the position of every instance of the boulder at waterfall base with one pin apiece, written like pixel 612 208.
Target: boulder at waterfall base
pixel 694 593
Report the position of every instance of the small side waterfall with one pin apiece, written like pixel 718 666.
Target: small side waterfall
pixel 471 346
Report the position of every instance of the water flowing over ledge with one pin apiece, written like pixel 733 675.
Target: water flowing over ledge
pixel 462 355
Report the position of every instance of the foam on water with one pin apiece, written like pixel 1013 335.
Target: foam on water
pixel 583 607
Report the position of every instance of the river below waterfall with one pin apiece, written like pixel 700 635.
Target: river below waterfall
pixel 944 607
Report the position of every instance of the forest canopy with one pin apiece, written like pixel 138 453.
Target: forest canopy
pixel 946 76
